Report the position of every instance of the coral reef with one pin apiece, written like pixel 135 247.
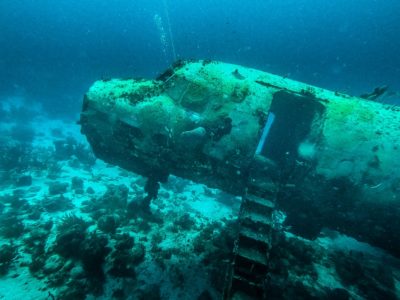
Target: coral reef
pixel 71 233
pixel 15 155
pixel 8 252
pixel 125 257
pixel 116 197
pixel 56 203
pixel 93 252
pixel 77 184
pixel 57 188
pixel 11 225
pixel 68 147
pixel 109 223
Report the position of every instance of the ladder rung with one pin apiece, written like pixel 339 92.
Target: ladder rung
pixel 253 254
pixel 257 235
pixel 260 201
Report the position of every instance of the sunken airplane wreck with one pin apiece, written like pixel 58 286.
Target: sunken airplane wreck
pixel 322 158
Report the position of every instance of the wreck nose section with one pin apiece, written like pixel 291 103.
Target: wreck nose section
pixel 180 124
pixel 129 123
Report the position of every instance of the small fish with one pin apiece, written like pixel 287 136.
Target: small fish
pixel 378 92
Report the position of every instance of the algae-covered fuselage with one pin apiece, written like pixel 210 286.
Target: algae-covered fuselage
pixel 204 120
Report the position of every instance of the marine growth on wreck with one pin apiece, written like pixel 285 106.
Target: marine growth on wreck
pixel 328 155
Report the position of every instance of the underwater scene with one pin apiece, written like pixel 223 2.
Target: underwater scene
pixel 182 149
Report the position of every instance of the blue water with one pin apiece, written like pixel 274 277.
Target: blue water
pixel 51 51
pixel 75 227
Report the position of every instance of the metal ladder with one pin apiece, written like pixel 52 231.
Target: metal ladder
pixel 247 276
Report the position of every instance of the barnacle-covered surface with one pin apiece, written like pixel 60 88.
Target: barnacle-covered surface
pixel 203 120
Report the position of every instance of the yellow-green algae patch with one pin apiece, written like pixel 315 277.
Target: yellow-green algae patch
pixel 126 92
pixel 360 138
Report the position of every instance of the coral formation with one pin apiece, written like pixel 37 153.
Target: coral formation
pixel 116 197
pixel 56 203
pixel 77 184
pixel 71 233
pixel 8 252
pixel 57 188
